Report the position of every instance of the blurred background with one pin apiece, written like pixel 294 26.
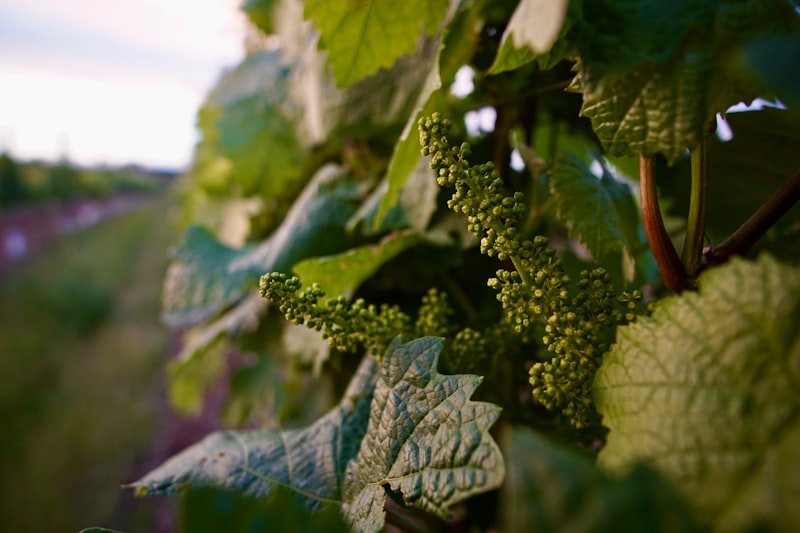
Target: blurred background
pixel 98 107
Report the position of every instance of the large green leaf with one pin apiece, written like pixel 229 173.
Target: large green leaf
pixel 401 427
pixel 601 211
pixel 362 37
pixel 551 488
pixel 427 442
pixel 708 391
pixel 651 72
pixel 310 462
pixel 206 277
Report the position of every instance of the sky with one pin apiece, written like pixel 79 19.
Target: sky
pixel 111 82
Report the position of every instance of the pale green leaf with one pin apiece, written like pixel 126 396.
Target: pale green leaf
pixel 426 441
pixel 342 273
pixel 363 37
pixel 600 211
pixel 552 488
pixel 531 32
pixel 410 181
pixel 708 391
pixel 310 462
pixel 248 136
pixel 206 277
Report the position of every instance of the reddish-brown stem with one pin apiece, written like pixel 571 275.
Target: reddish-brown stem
pixel 757 225
pixel 669 264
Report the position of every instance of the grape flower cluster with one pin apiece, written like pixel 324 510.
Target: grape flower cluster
pixel 578 322
pixel 354 327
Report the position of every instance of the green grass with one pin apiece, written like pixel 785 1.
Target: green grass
pixel 82 355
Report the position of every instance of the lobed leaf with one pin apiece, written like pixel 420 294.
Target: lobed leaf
pixel 707 391
pixel 601 212
pixel 552 488
pixel 363 37
pixel 310 462
pixel 426 441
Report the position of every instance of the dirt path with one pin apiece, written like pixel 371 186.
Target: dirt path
pixel 26 231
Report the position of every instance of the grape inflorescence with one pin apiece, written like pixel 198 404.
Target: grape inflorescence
pixel 573 322
pixel 578 325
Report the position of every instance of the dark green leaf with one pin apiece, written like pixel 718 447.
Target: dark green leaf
pixel 706 390
pixel 310 462
pixel 772 61
pixel 206 277
pixel 599 211
pixel 651 73
pixel 551 488
pixel 745 171
pixel 212 510
pixel 426 441
pixel 363 37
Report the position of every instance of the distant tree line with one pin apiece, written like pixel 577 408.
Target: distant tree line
pixel 36 182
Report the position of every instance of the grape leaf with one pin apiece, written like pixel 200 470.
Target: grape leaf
pixel 310 462
pixel 706 390
pixel 652 89
pixel 410 180
pixel 206 277
pixel 401 426
pixel 601 211
pixel 552 488
pixel 532 31
pixel 426 441
pixel 770 60
pixel 363 37
pixel 342 273
pixel 246 122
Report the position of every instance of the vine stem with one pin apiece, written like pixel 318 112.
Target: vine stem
pixel 757 225
pixel 669 264
pixel 698 206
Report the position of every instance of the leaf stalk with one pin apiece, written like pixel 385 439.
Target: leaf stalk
pixel 669 264
pixel 692 252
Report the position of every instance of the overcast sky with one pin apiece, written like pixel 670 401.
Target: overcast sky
pixel 111 81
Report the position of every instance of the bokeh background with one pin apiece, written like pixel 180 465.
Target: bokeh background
pixel 98 107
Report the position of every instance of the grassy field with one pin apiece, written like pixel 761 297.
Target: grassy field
pixel 82 355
